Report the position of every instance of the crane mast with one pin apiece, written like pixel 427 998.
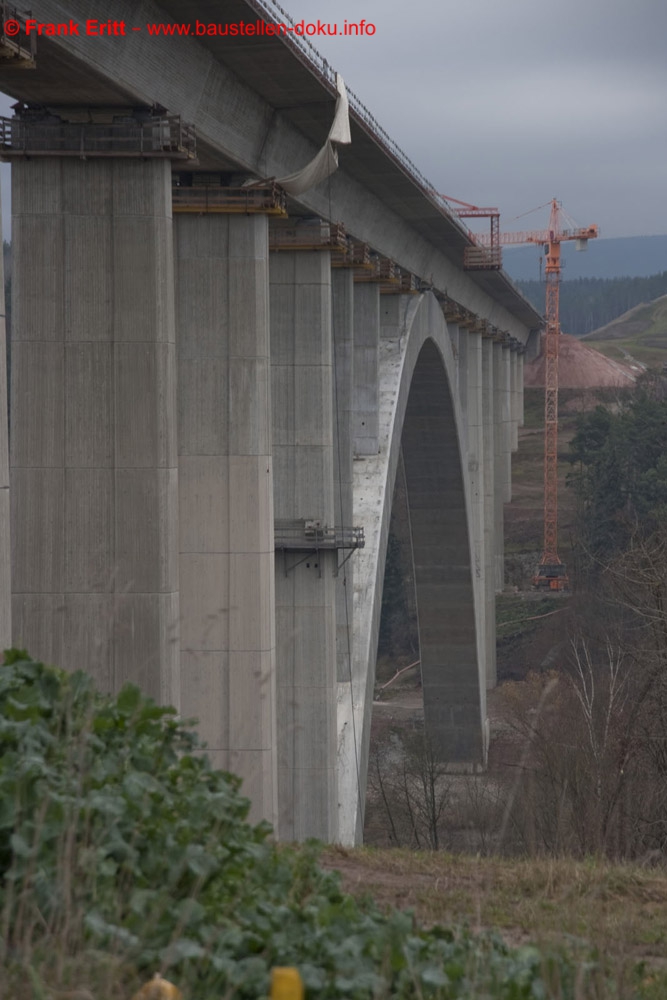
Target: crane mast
pixel 551 572
pixel 485 255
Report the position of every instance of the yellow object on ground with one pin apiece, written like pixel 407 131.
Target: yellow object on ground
pixel 286 984
pixel 158 989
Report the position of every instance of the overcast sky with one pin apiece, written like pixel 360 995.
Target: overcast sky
pixel 512 102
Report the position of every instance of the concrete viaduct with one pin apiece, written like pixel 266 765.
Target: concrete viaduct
pixel 214 389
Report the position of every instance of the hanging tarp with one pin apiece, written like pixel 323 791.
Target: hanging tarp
pixel 326 160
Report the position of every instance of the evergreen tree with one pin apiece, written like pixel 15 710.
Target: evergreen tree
pixel 589 303
pixel 621 472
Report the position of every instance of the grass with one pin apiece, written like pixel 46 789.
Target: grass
pixel 649 354
pixel 517 617
pixel 620 910
pixel 643 335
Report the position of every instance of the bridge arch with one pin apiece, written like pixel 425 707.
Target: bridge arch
pixel 421 415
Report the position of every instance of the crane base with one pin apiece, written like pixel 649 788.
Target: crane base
pixel 551 576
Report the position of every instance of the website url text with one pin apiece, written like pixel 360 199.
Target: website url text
pixel 117 29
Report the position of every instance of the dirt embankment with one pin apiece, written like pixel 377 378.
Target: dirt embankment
pixel 581 367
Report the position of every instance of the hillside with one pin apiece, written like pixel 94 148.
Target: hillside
pixel 589 303
pixel 640 333
pixel 629 256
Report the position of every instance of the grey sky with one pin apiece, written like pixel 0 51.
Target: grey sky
pixel 513 102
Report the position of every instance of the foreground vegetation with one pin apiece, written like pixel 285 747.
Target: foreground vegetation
pixel 122 852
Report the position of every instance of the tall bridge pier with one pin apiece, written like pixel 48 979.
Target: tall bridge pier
pixel 94 455
pixel 226 491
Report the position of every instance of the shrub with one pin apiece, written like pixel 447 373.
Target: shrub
pixel 123 852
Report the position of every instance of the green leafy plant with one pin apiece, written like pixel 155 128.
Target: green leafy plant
pixel 123 852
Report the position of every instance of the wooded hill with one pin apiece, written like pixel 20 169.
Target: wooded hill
pixel 589 303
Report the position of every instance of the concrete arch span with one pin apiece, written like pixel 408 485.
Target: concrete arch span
pixel 419 411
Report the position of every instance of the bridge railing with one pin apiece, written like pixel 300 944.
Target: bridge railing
pixel 16 46
pixel 309 535
pixel 316 62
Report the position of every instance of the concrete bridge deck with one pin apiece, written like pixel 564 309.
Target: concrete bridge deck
pixel 218 409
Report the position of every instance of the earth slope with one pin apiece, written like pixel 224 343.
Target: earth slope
pixel 582 367
pixel 640 334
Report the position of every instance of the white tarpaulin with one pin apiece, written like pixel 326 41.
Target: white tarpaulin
pixel 326 160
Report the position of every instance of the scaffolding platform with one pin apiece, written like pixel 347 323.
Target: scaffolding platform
pixel 267 199
pixel 308 234
pixel 164 136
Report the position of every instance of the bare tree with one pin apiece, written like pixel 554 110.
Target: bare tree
pixel 414 789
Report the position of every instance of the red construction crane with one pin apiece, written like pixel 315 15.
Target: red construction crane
pixel 551 572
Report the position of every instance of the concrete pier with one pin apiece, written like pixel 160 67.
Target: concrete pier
pixel 515 400
pixel 94 478
pixel 366 361
pixel 459 337
pixel 306 670
pixel 506 400
pixel 500 463
pixel 455 338
pixel 226 496
pixel 342 303
pixel 476 473
pixel 488 437
pixel 5 535
pixel 439 518
pixel 521 360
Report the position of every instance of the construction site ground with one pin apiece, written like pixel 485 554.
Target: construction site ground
pixel 618 910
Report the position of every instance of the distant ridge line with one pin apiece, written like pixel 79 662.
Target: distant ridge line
pixel 617 257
